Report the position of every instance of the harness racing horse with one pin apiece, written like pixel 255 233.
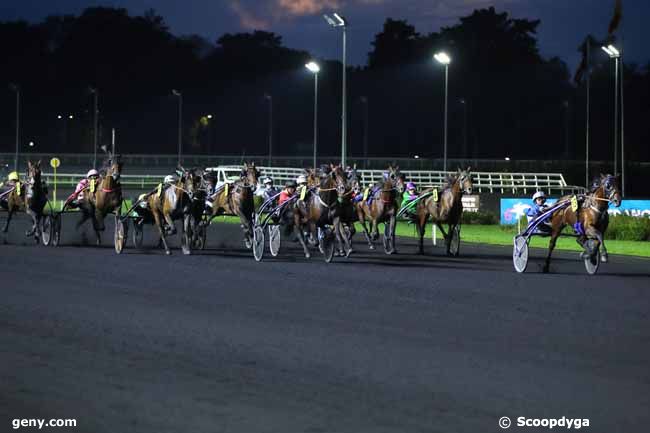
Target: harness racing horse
pixel 171 203
pixel 107 198
pixel 30 198
pixel 590 220
pixel 321 209
pixel 237 199
pixel 382 209
pixel 444 208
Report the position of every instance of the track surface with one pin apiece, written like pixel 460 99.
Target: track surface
pixel 216 342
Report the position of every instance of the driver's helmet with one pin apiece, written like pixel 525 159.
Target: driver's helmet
pixel 170 178
pixel 268 182
pixel 410 186
pixel 13 176
pixel 291 184
pixel 301 180
pixel 92 173
pixel 539 194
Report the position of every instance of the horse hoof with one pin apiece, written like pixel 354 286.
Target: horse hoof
pixel 604 258
pixel 372 247
pixel 307 255
pixel 350 251
pixel 169 253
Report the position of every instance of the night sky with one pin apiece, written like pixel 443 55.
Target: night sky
pixel 564 22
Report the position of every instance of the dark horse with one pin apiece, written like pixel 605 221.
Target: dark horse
pixel 30 198
pixel 383 208
pixel 322 208
pixel 108 197
pixel 447 208
pixel 590 220
pixel 236 198
pixel 174 202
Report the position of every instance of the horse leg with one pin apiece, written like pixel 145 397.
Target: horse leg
pixel 34 217
pixel 297 228
pixel 393 227
pixel 421 224
pixel 593 233
pixel 98 226
pixel 246 227
pixel 170 223
pixel 362 221
pixel 161 230
pixel 10 213
pixel 551 246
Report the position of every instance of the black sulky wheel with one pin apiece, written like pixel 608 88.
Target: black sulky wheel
pixel 274 239
pixel 520 253
pixel 120 233
pixel 47 228
pixel 454 242
pixel 56 230
pixel 258 243
pixel 592 261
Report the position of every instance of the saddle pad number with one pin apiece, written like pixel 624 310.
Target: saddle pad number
pixel 574 203
pixel 226 189
pixel 435 194
pixel 365 194
pixel 159 190
pixel 303 191
pixel 92 186
pixel 18 188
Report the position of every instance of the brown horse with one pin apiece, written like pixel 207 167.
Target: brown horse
pixel 173 202
pixel 383 208
pixel 108 196
pixel 322 208
pixel 447 209
pixel 30 197
pixel 236 198
pixel 590 220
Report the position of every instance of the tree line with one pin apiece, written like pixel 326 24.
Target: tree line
pixel 505 98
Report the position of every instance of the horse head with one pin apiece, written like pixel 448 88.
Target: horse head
pixel 34 172
pixel 113 167
pixel 464 177
pixel 610 187
pixel 250 174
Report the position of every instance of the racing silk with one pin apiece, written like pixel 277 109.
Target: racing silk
pixel 269 193
pixel 284 196
pixel 78 193
pixel 535 210
pixel 407 198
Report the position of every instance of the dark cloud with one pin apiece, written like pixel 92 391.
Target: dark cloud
pixel 564 23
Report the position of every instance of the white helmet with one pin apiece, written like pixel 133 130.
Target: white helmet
pixel 170 178
pixel 268 180
pixel 301 179
pixel 92 172
pixel 539 194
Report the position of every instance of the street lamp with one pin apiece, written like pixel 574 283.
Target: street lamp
pixel 445 60
pixel 180 124
pixel 341 22
pixel 613 53
pixel 65 119
pixel 270 99
pixel 95 93
pixel 315 69
pixel 16 89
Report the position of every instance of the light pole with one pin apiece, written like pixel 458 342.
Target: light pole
pixel 445 60
pixel 270 99
pixel 180 124
pixel 613 53
pixel 341 22
pixel 315 69
pixel 95 93
pixel 16 89
pixel 463 102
